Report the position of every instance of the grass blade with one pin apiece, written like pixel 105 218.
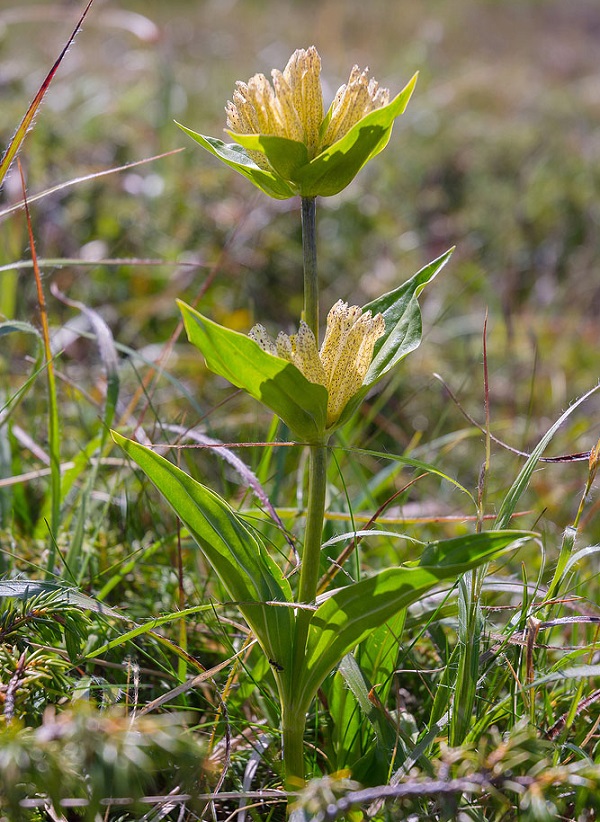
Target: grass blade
pixel 21 132
pixel 509 503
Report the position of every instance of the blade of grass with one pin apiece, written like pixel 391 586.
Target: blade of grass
pixel 21 132
pixel 509 503
pixel 83 179
pixel 109 357
pixel 53 416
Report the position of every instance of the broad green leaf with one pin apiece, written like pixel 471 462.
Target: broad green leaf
pixel 301 404
pixel 287 157
pixel 449 554
pixel 400 309
pixel 402 316
pixel 335 167
pixel 237 158
pixel 378 655
pixel 247 572
pixel 351 613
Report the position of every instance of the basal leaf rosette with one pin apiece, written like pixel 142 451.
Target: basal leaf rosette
pixel 286 146
pixel 312 390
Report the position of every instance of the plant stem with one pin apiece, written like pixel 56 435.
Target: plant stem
pixel 294 720
pixel 315 513
pixel 292 725
pixel 309 252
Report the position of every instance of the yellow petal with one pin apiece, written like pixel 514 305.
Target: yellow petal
pixel 291 125
pixel 260 335
pixel 306 355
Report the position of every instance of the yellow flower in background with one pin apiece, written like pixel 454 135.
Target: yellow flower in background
pixel 286 145
pixel 345 356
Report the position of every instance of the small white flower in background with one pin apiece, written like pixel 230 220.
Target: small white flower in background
pixel 345 356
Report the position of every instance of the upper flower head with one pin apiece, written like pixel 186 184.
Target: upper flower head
pixel 293 106
pixel 285 143
pixel 345 356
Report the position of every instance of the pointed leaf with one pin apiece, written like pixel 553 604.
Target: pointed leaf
pixel 328 173
pixel 287 157
pixel 247 572
pixel 352 613
pixel 400 309
pixel 301 404
pixel 402 316
pixel 335 167
pixel 237 158
pixel 25 125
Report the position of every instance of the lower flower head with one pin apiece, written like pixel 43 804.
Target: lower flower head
pixel 344 358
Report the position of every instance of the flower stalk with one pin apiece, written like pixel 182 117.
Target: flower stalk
pixel 309 255
pixel 293 718
pixel 294 721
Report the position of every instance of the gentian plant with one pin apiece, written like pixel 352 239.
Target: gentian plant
pixel 287 146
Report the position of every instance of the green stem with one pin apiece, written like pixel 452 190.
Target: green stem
pixel 315 514
pixel 294 720
pixel 292 725
pixel 309 252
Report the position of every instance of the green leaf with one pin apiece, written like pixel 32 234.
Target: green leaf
pixel 249 575
pixel 400 309
pixel 328 173
pixel 335 167
pixel 402 316
pixel 301 404
pixel 350 614
pixel 287 157
pixel 365 736
pixel 237 158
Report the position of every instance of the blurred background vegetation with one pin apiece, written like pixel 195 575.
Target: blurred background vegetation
pixel 497 154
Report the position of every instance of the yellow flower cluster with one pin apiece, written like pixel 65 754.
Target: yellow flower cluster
pixel 345 356
pixel 292 106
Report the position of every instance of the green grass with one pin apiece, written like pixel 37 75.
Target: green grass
pixel 480 702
